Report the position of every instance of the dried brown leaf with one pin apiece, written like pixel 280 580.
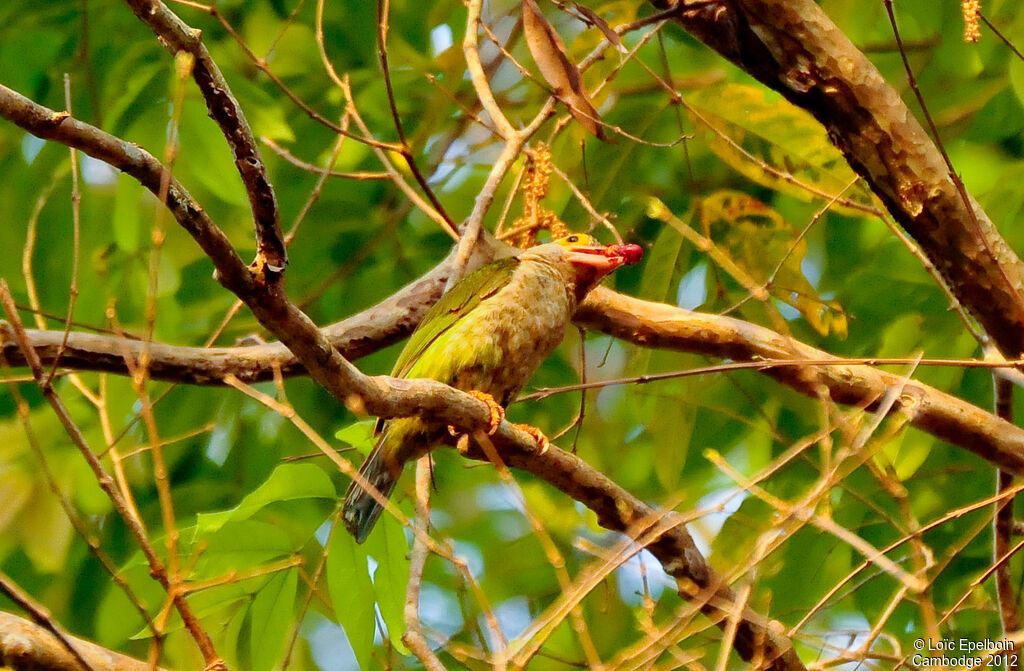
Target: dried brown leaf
pixel 595 20
pixel 558 70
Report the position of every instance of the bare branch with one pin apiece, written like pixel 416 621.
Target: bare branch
pixel 177 36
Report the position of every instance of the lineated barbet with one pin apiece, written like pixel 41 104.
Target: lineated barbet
pixel 486 335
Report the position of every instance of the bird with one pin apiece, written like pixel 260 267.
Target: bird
pixel 486 336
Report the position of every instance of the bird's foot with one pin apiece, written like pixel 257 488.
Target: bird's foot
pixel 497 416
pixel 542 441
pixel 497 412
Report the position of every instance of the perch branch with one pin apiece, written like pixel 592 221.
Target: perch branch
pixel 641 322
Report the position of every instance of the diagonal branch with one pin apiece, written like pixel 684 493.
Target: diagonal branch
pixel 928 409
pixel 793 47
pixel 177 37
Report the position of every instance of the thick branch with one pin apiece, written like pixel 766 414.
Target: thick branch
pixel 25 646
pixel 794 48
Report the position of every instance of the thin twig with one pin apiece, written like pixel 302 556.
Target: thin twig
pixel 383 12
pixel 76 235
pixel 309 167
pixel 413 636
pixel 106 483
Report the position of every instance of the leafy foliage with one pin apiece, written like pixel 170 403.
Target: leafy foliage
pixel 253 524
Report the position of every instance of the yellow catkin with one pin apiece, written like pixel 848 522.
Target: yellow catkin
pixel 534 187
pixel 972 11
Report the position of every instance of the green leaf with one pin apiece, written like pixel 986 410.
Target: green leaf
pixel 241 545
pixel 273 615
pixel 49 533
pixel 390 549
pixel 204 156
pixel 348 583
pixel 359 435
pixel 266 118
pixel 288 482
pixel 671 429
pixel 137 87
pixel 735 116
pixel 759 240
pixel 665 256
pixel 15 491
pixel 907 452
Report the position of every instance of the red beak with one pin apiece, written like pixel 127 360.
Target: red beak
pixel 608 258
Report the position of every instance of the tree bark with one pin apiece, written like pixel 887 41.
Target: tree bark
pixel 793 47
pixel 25 646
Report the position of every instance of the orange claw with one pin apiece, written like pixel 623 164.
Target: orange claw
pixel 542 441
pixel 497 412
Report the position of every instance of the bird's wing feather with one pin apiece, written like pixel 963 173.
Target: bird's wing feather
pixel 458 302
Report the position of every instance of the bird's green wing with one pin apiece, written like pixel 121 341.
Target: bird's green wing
pixel 458 302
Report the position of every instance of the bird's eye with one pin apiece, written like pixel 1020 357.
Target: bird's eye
pixel 573 238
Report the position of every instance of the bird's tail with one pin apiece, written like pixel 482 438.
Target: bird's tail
pixel 361 509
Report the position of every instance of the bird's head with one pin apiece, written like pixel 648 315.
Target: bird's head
pixel 588 259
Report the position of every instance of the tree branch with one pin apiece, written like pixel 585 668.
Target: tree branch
pixel 644 323
pixel 792 47
pixel 25 646
pixel 935 412
pixel 176 36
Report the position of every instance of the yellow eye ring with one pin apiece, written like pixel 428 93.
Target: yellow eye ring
pixel 578 240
